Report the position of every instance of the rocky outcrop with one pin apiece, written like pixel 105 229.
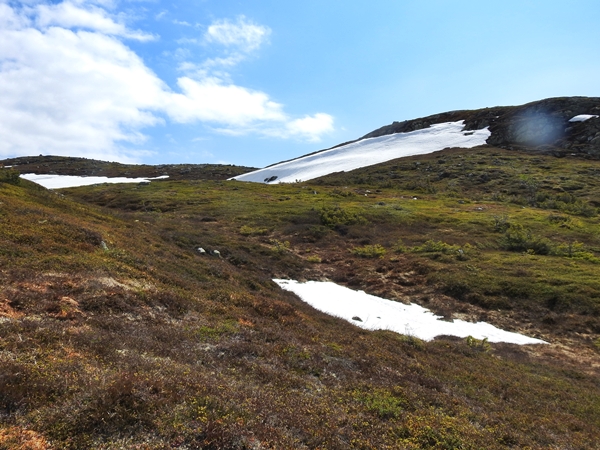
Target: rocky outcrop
pixel 545 126
pixel 541 126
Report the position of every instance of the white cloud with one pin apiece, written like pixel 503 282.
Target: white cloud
pixel 242 34
pixel 311 127
pixel 70 15
pixel 212 101
pixel 70 86
pixel 63 92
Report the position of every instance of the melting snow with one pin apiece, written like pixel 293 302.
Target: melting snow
pixel 65 181
pixel 370 151
pixel 376 313
pixel 582 118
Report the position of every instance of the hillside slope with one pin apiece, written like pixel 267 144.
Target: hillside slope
pixel 558 126
pixel 117 333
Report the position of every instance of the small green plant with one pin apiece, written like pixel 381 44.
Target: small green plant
pixel 369 251
pixel 280 246
pixel 341 193
pixel 336 216
pixel 246 230
pixel 519 239
pixel 399 247
pixel 501 223
pixel 386 405
pixel 314 259
pixel 433 246
pixel 576 250
pixel 482 345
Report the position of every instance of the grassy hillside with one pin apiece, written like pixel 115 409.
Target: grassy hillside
pixel 115 332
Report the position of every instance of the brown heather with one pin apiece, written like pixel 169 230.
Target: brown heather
pixel 148 344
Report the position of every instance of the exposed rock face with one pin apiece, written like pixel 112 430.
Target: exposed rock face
pixel 541 126
pixel 545 124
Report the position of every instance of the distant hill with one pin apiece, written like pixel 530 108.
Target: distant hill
pixel 64 165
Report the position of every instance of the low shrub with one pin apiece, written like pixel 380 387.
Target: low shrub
pixel 279 246
pixel 433 246
pixel 369 251
pixel 518 239
pixel 10 176
pixel 246 230
pixel 336 216
pixel 399 247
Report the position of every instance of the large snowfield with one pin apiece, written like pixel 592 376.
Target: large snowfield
pixel 375 313
pixel 370 151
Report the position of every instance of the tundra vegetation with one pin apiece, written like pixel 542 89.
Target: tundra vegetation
pixel 115 332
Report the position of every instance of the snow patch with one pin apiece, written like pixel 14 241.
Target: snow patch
pixel 582 118
pixel 66 181
pixel 375 313
pixel 370 151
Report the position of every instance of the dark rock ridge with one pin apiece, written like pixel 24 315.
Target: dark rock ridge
pixel 541 126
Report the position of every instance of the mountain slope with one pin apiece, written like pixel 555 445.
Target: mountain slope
pixel 146 343
pixel 544 126
pixel 369 151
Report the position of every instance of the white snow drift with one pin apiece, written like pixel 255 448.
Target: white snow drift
pixel 370 151
pixel 582 118
pixel 65 181
pixel 375 313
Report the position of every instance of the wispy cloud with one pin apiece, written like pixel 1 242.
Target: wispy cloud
pixel 242 35
pixel 210 95
pixel 86 16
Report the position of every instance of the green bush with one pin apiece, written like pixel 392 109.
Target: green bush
pixel 518 239
pixel 399 247
pixel 246 230
pixel 333 217
pixel 369 251
pixel 10 176
pixel 279 246
pixel 433 246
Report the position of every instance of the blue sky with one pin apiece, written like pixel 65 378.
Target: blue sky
pixel 257 82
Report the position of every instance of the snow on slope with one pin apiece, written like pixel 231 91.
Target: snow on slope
pixel 376 313
pixel 65 181
pixel 582 118
pixel 370 151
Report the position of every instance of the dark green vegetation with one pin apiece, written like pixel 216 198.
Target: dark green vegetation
pixel 115 332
